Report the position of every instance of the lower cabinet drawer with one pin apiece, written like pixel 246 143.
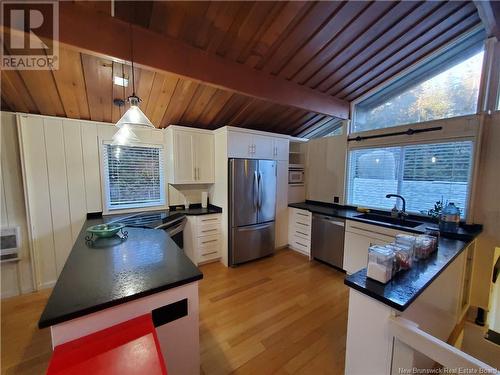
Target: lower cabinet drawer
pixel 301 216
pixel 209 228
pixel 208 244
pixel 208 219
pixel 208 256
pixel 301 244
pixel 304 233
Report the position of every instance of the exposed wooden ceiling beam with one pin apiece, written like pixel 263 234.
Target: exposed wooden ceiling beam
pixel 101 35
pixel 489 12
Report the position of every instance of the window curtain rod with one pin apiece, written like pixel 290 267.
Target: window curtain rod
pixel 406 132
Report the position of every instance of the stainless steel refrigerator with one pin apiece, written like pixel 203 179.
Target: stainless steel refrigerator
pixel 252 206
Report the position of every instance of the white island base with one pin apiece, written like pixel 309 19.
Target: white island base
pixel 382 340
pixel 179 339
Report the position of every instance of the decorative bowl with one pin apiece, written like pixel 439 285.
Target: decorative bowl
pixel 105 230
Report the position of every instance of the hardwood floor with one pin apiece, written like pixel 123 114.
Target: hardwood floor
pixel 279 315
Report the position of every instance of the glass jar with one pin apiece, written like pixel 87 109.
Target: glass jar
pixel 450 218
pixel 380 263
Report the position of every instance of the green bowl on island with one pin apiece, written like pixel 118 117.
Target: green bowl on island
pixel 105 230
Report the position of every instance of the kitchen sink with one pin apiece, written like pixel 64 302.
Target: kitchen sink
pixel 390 220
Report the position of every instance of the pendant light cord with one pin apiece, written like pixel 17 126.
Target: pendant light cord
pixel 132 57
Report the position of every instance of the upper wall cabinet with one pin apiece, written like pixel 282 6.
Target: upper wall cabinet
pixel 281 148
pixel 190 157
pixel 243 144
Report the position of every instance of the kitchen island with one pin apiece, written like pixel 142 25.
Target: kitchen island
pixel 113 280
pixel 431 298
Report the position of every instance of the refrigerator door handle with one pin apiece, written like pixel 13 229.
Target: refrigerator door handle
pixel 255 190
pixel 260 190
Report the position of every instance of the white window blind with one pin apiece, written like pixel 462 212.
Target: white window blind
pixel 423 174
pixel 134 176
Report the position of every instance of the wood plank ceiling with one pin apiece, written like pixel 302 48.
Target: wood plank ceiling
pixel 343 49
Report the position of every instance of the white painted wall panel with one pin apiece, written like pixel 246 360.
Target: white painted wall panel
pixel 76 176
pixel 58 189
pixel 38 198
pixel 282 204
pixel 325 168
pixel 91 167
pixel 16 277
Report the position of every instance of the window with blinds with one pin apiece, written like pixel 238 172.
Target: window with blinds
pixel 423 174
pixel 133 176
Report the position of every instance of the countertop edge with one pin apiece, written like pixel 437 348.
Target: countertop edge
pixel 90 310
pixel 403 307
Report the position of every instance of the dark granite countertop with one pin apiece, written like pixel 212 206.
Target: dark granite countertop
pixel 406 286
pixel 197 210
pixel 114 272
pixel 464 233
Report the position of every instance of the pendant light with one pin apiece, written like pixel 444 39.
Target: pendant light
pixel 133 117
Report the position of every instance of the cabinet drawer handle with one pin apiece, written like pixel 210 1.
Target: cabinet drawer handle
pixel 301 244
pixel 212 252
pixel 209 230
pixel 301 214
pixel 204 242
pixel 298 222
pixel 299 232
pixel 211 219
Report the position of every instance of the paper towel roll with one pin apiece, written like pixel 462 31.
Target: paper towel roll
pixel 204 199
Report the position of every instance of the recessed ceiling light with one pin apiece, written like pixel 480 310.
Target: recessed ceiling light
pixel 120 81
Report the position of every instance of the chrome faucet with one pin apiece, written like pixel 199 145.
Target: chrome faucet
pixel 402 213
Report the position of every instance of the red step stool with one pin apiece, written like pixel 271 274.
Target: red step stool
pixel 127 348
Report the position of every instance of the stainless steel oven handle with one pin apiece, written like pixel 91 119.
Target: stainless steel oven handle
pixel 161 226
pixel 177 229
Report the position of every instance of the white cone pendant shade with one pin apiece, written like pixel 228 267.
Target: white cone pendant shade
pixel 134 116
pixel 125 136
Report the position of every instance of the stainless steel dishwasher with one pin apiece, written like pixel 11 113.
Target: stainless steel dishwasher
pixel 327 242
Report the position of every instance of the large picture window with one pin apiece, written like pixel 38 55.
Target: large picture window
pixel 133 176
pixel 444 87
pixel 423 174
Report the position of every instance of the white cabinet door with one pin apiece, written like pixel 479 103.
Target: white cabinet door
pixel 355 252
pixel 358 238
pixel 281 238
pixel 203 145
pixel 240 145
pixel 280 150
pixel 184 168
pixel 263 147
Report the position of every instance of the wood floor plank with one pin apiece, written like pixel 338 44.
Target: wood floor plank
pixel 278 315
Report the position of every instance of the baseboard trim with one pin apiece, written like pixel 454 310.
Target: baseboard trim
pixel 47 285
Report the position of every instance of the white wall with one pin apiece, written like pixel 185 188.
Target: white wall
pixel 325 168
pixel 178 194
pixel 13 212
pixel 61 167
pixel 218 193
pixel 487 211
